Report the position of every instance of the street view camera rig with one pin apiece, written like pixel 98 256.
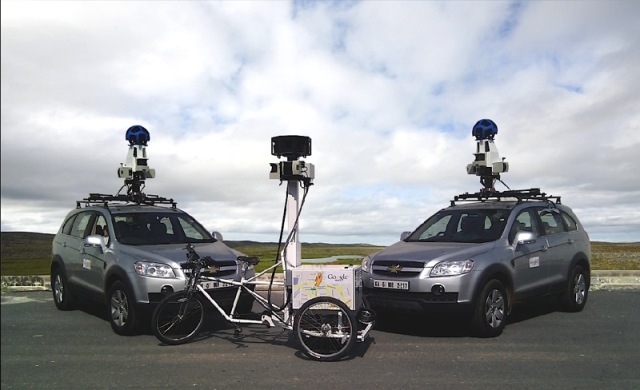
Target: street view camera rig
pixel 297 173
pixel 292 147
pixel 488 166
pixel 134 172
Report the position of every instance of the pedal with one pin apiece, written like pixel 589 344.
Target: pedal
pixel 236 332
pixel 267 321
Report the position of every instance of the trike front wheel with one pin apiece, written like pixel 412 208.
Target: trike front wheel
pixel 178 318
pixel 325 328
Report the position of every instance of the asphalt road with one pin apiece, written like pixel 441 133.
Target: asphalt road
pixel 541 348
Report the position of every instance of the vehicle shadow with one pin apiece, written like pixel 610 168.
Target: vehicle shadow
pixel 438 325
pixel 422 325
pixel 92 307
pixel 101 310
pixel 539 307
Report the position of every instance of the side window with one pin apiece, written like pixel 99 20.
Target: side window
pixel 569 222
pixel 524 222
pixel 68 225
pixel 551 222
pixel 80 225
pixel 101 228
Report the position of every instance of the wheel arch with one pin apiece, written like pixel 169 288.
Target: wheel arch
pixel 56 263
pixel 116 274
pixel 580 259
pixel 498 272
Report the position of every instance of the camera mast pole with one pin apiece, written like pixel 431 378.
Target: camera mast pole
pixel 293 251
pixel 293 171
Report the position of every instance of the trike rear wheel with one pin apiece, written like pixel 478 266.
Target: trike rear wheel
pixel 325 328
pixel 178 318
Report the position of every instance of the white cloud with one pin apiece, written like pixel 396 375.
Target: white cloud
pixel 387 90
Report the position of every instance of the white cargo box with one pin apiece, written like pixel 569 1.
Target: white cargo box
pixel 343 282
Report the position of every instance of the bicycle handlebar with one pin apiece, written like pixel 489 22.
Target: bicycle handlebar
pixel 195 262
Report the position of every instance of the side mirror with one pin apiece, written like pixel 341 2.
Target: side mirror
pixel 404 235
pixel 524 237
pixel 217 235
pixel 96 241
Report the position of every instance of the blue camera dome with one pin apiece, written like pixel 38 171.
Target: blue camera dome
pixel 137 135
pixel 484 129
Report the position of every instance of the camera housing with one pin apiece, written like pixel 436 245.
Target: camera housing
pixel 136 166
pixel 292 170
pixel 487 160
pixel 292 147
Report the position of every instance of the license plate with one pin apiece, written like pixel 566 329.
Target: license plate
pixel 391 284
pixel 216 284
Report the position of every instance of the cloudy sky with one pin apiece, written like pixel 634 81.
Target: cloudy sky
pixel 388 91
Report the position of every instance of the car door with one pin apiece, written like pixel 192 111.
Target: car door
pixel 94 257
pixel 559 242
pixel 74 247
pixel 530 260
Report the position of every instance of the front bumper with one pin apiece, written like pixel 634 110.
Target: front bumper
pixel 446 303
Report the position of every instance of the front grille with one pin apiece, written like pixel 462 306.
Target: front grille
pixel 397 268
pixel 224 268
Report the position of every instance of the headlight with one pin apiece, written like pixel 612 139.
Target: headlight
pixel 450 268
pixel 366 264
pixel 154 270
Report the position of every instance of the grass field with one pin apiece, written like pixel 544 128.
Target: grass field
pixel 29 253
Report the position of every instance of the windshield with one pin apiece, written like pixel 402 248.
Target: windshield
pixel 159 228
pixel 462 225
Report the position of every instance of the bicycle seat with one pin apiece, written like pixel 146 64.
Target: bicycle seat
pixel 252 260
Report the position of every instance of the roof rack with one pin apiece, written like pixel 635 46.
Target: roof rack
pixel 122 198
pixel 520 195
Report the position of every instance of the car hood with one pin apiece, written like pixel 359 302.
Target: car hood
pixel 433 252
pixel 176 253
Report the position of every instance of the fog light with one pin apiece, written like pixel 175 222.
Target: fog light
pixel 166 290
pixel 437 289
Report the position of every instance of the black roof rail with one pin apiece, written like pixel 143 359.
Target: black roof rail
pixel 105 199
pixel 520 195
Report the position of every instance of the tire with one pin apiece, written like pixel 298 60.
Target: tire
pixel 178 318
pixel 575 296
pixel 63 295
pixel 491 308
pixel 123 315
pixel 325 328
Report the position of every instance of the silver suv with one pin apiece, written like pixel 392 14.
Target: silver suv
pixel 128 255
pixel 477 258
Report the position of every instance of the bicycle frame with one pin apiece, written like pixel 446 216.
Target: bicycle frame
pixel 281 320
pixel 274 318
